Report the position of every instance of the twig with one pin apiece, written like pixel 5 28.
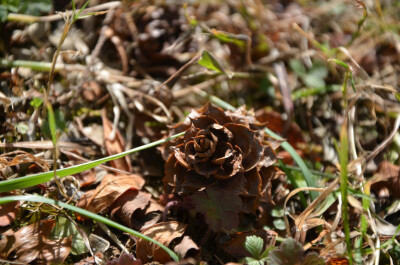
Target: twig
pixel 180 71
pixel 386 142
pixel 30 19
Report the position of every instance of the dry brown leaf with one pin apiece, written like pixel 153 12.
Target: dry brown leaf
pixel 124 259
pixel 110 188
pixel 150 216
pixel 187 245
pixel 277 124
pixel 20 158
pixel 8 211
pixel 116 145
pixel 162 232
pixel 299 220
pixel 387 180
pixel 55 251
pixel 125 206
pixel 27 242
pixel 86 178
pixel 91 91
pixel 188 261
pixel 90 260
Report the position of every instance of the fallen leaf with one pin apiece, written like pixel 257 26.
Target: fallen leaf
pixel 124 259
pixel 219 212
pixel 55 251
pixel 8 211
pixel 276 124
pixel 91 91
pixel 338 261
pixel 127 204
pixel 150 216
pixel 115 145
pixel 162 232
pixel 90 260
pixel 27 242
pixel 110 188
pixel 64 228
pixel 388 178
pixel 20 158
pixel 86 178
pixel 188 261
pixel 187 247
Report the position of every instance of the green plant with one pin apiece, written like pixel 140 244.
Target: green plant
pixel 254 245
pixel 313 77
pixel 292 253
pixel 28 7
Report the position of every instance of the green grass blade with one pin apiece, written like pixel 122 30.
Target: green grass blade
pixel 32 180
pixel 52 123
pixel 309 178
pixel 98 218
pixel 76 16
pixel 36 66
pixel 344 159
pixel 293 182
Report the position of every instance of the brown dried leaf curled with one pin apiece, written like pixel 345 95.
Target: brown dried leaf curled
pixel 162 232
pixel 27 243
pixel 110 189
pixel 221 149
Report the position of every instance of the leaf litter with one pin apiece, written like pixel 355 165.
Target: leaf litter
pixel 137 76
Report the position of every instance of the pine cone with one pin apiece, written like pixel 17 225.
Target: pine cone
pixel 224 151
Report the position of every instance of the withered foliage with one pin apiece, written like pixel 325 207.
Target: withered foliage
pixel 222 153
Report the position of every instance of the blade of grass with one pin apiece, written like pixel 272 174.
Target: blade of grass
pixel 32 180
pixel 76 16
pixel 293 182
pixel 36 66
pixel 344 159
pixel 98 218
pixel 53 131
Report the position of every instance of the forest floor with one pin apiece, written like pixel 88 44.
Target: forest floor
pixel 256 132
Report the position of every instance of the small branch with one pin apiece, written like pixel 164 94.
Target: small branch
pixel 55 17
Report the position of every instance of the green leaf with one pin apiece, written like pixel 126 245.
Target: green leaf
pixel 289 253
pixel 313 259
pixel 65 228
pixel 208 60
pixel 52 123
pixel 265 254
pixel 398 96
pixel 279 224
pixel 292 253
pixel 297 67
pixel 252 261
pixel 277 212
pixel 55 122
pixel 3 13
pixel 220 213
pixel 316 75
pixel 28 7
pixel 237 39
pixel 311 91
pixel 36 102
pixel 22 127
pixel 254 246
